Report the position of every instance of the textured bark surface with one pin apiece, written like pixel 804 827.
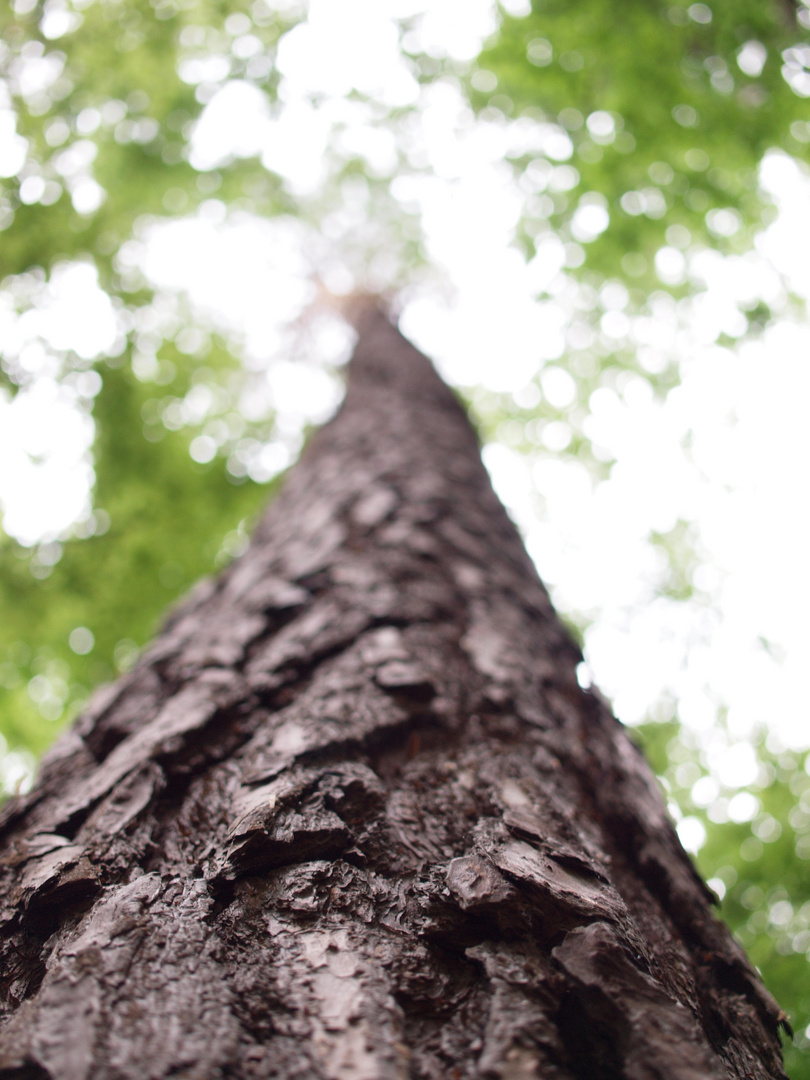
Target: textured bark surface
pixel 352 817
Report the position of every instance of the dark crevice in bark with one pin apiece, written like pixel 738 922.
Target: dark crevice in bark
pixel 26 1072
pixel 593 1050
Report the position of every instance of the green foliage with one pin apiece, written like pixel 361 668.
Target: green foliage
pixel 664 112
pixel 121 125
pixel 105 97
pixel 756 857
pixel 162 520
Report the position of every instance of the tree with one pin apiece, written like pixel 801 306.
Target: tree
pixel 637 154
pixel 352 815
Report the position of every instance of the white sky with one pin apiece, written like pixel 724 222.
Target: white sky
pixel 743 481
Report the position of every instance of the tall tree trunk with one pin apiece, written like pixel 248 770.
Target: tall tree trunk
pixel 352 816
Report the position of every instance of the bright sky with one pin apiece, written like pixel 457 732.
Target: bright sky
pixel 726 450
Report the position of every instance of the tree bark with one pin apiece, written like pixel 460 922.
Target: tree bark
pixel 352 817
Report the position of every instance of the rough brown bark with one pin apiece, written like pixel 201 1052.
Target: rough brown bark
pixel 352 817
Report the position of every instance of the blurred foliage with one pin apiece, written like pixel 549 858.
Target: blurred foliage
pixel 635 135
pixel 99 101
pixel 161 522
pixel 756 856
pixel 637 145
pixel 106 143
pixel 660 121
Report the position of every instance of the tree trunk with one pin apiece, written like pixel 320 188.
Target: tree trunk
pixel 352 816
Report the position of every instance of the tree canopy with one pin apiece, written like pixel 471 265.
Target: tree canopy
pixel 629 145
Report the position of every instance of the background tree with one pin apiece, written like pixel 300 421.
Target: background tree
pixel 625 189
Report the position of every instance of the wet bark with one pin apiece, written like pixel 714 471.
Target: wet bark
pixel 352 816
